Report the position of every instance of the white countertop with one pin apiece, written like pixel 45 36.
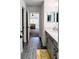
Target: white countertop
pixel 52 33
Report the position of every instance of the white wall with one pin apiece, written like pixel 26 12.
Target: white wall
pixel 48 6
pixel 42 34
pixel 22 4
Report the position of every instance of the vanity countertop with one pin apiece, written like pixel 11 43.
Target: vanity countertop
pixel 52 33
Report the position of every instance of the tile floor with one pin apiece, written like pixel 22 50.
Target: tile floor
pixel 30 49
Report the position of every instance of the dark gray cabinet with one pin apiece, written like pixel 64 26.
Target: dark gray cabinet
pixel 52 46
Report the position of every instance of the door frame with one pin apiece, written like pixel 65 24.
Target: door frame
pixel 27 26
pixel 22 26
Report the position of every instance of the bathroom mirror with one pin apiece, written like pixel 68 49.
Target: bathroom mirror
pixel 52 17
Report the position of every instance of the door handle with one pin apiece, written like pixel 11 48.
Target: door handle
pixel 21 36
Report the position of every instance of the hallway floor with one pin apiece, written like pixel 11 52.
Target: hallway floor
pixel 30 49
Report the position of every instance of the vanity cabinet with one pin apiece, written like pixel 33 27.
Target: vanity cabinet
pixel 52 46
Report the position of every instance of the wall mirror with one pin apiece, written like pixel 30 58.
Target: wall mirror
pixel 52 17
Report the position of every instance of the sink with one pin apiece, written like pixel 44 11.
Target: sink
pixel 55 29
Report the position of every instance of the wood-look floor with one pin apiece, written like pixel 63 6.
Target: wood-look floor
pixel 42 54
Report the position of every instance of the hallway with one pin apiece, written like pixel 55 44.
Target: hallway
pixel 30 49
pixel 39 29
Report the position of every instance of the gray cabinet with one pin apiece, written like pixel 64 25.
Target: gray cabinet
pixel 52 46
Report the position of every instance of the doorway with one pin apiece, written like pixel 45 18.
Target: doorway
pixel 34 24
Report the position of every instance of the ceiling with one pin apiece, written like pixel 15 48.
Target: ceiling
pixel 33 2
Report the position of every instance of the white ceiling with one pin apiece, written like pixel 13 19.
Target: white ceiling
pixel 33 2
